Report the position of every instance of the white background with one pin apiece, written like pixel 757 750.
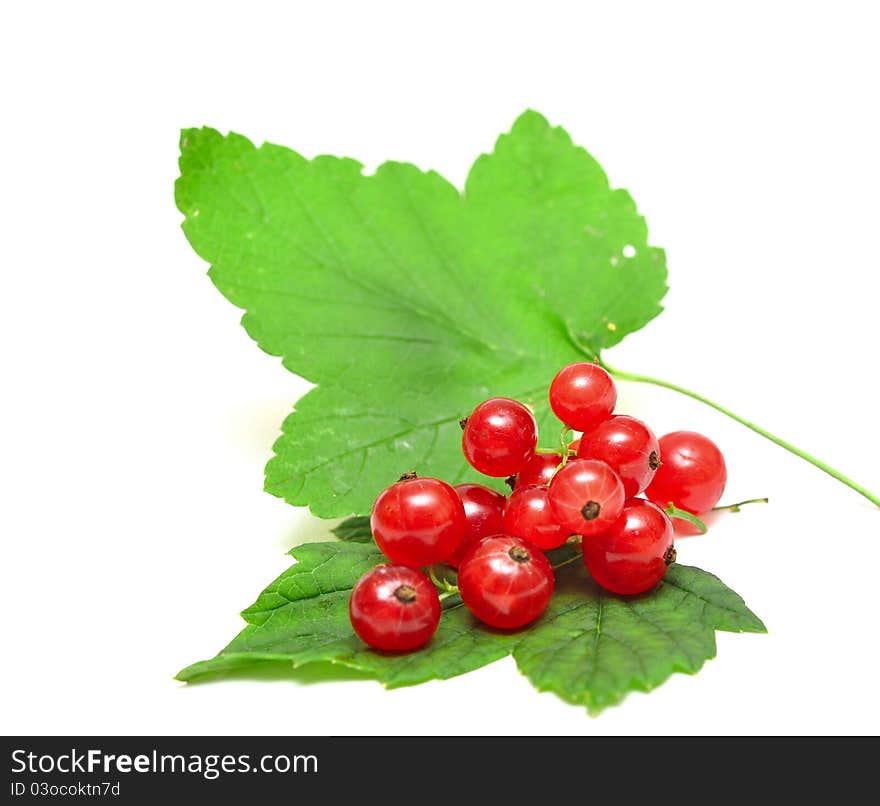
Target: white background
pixel 137 414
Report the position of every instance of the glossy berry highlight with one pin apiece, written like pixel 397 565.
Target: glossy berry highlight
pixel 499 437
pixel 586 496
pixel 632 556
pixel 505 582
pixel 628 447
pixel 693 473
pixel 583 395
pixel 528 516
pixel 394 608
pixel 484 513
pixel 418 521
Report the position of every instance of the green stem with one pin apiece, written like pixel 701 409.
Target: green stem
pixel 567 561
pixel 736 507
pixel 442 583
pixel 564 439
pixel 432 574
pixel 631 376
pixel 674 512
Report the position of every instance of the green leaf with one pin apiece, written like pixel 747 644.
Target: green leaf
pixel 590 647
pixel 710 600
pixel 354 530
pixel 408 302
pixel 303 617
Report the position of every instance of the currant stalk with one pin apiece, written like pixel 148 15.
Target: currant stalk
pixel 638 378
pixel 736 507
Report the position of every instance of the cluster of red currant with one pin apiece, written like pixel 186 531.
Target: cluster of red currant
pixel 586 492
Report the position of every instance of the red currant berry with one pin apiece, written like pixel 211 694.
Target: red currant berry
pixel 539 469
pixel 582 395
pixel 505 582
pixel 627 446
pixel 499 437
pixel 528 516
pixel 417 521
pixel 693 473
pixel 632 556
pixel 586 497
pixel 484 511
pixel 394 608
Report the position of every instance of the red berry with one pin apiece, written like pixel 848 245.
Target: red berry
pixel 582 395
pixel 632 556
pixel 394 608
pixel 418 521
pixel 693 473
pixel 505 582
pixel 539 469
pixel 484 511
pixel 528 516
pixel 586 497
pixel 499 437
pixel 627 446
pixel 574 445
